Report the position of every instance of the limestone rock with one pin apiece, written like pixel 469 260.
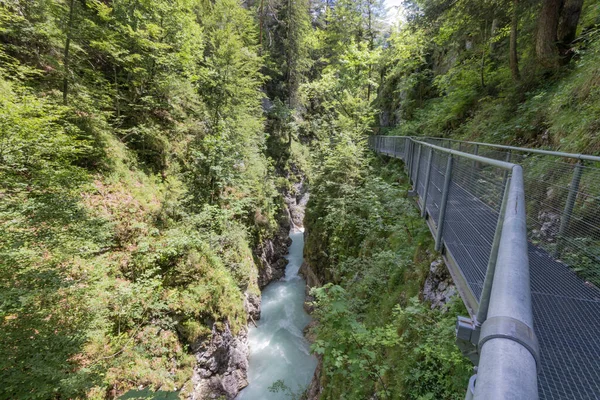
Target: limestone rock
pixel 222 366
pixel 270 256
pixel 549 225
pixel 315 388
pixel 252 306
pixel 439 287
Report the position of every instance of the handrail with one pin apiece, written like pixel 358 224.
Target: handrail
pixel 585 157
pixel 506 343
pixel 489 161
pixel 505 370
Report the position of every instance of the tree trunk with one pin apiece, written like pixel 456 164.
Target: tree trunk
pixel 66 59
pixel 371 46
pixel 483 55
pixel 546 40
pixel 261 18
pixel 567 27
pixel 493 35
pixel 513 55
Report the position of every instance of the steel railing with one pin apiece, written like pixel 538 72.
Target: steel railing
pixel 489 266
pixel 562 185
pixel 562 196
pixel 470 185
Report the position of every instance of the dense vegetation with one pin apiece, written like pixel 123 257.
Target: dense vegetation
pixel 374 333
pixel 135 184
pixel 523 72
pixel 518 72
pixel 144 147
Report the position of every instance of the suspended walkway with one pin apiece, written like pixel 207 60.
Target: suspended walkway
pixel 519 230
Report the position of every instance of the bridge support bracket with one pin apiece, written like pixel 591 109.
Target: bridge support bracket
pixel 467 337
pixel 512 329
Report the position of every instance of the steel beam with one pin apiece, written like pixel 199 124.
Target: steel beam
pixel 427 178
pixel 443 204
pixel 484 300
pixel 565 219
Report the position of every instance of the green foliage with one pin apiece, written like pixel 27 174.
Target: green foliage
pixel 363 235
pixel 447 73
pixel 351 351
pixel 43 315
pixel 436 369
pixel 147 394
pixel 128 215
pixel 375 337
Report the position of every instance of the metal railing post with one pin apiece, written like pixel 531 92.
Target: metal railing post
pixel 484 300
pixel 444 202
pixel 395 147
pixel 474 163
pixel 505 178
pixel 565 219
pixel 508 347
pixel 410 159
pixel 427 178
pixel 416 179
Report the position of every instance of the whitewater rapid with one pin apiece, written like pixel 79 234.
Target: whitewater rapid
pixel 278 349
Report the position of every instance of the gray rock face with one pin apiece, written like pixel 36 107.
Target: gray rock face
pixel 272 252
pixel 311 281
pixel 270 256
pixel 222 366
pixel 439 287
pixel 252 306
pixel 549 223
pixel 296 202
pixel 315 388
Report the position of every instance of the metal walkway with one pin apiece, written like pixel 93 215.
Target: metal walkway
pixel 462 183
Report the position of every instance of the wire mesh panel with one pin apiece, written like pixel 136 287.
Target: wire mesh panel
pixel 563 221
pixel 474 202
pixel 398 147
pixel 436 185
pixel 581 237
pixel 423 167
pixel 415 161
pixel 385 145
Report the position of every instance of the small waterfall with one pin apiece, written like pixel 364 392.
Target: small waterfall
pixel 294 227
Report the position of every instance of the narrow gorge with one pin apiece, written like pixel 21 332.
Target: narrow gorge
pixel 279 352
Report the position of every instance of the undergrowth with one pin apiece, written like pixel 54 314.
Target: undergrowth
pixel 374 334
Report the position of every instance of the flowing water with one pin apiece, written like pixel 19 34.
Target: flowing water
pixel 278 349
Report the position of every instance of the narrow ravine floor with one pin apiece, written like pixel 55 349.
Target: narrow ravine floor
pixel 278 349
